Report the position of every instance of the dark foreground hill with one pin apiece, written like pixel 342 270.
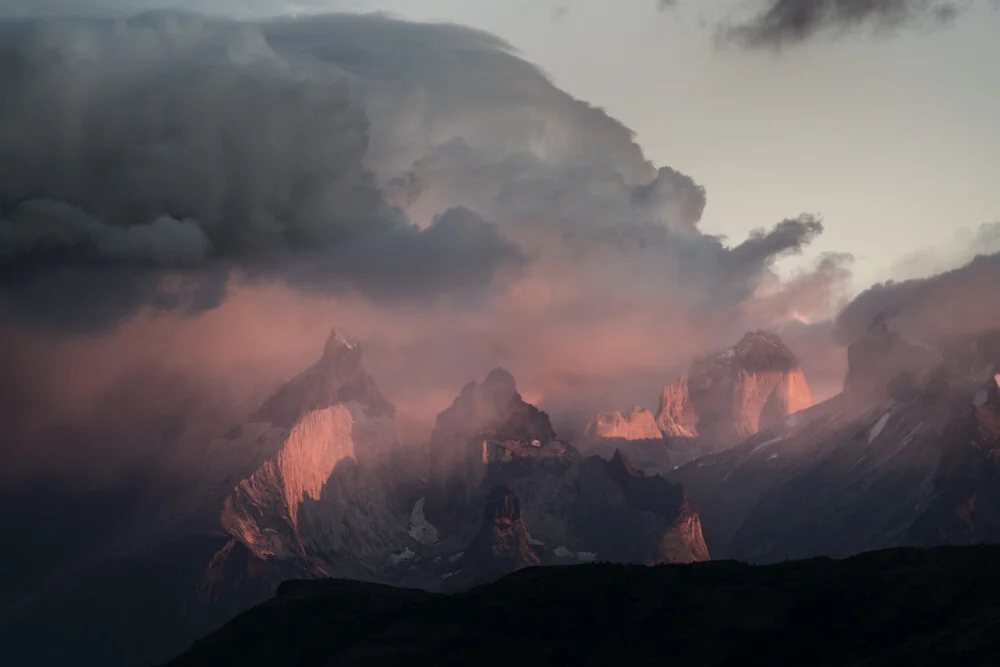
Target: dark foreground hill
pixel 896 607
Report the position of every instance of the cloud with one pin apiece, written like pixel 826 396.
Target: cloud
pixel 964 300
pixel 790 22
pixel 951 254
pixel 173 142
pixel 328 152
pixel 219 193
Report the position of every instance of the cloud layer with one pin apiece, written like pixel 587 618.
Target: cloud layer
pixel 419 185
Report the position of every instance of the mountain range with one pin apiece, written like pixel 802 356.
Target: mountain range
pixel 905 455
pixel 314 483
pixel 737 463
pixel 723 399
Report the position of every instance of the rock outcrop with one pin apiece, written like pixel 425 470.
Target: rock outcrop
pixel 502 544
pixel 729 396
pixel 638 424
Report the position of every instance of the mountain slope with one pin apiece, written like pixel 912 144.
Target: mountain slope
pixel 912 607
pixel 905 456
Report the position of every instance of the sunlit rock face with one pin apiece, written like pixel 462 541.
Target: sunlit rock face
pixel 637 424
pixel 313 468
pixel 728 396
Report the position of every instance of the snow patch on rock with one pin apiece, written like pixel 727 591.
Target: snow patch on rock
pixel 767 443
pixel 420 528
pixel 879 427
pixel 407 554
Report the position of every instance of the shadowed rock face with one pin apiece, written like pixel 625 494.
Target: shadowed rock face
pixel 503 544
pixel 883 363
pixel 729 396
pixel 572 507
pixel 905 456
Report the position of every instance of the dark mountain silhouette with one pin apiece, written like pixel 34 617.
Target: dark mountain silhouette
pixel 896 607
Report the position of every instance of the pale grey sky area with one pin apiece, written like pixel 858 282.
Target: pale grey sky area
pixel 891 138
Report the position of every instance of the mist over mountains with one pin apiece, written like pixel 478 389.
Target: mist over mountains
pixel 219 193
pixel 189 205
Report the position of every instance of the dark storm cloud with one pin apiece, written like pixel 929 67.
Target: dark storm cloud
pixel 763 246
pixel 458 253
pixel 171 144
pixel 789 22
pixel 148 158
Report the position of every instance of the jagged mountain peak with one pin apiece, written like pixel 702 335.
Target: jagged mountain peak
pixel 339 342
pixel 500 386
pixel 757 351
pixel 495 408
pixel 621 467
pixel 339 376
pixel 730 395
pixel 327 434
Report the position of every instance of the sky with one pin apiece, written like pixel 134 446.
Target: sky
pixel 889 136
